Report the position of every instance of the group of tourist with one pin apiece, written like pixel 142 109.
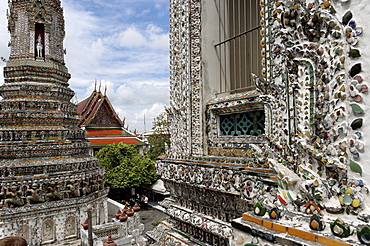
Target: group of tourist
pixel 142 201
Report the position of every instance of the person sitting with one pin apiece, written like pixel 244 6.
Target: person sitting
pixel 13 241
pixel 132 201
pixel 138 199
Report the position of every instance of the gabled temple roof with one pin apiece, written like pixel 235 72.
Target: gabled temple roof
pixel 92 108
pixel 102 124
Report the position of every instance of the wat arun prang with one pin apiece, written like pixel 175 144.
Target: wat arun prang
pixel 47 176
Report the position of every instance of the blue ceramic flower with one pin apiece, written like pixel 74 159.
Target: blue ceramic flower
pixel 352 24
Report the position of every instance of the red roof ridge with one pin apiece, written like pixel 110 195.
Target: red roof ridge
pixel 94 97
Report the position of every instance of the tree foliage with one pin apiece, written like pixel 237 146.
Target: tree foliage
pixel 125 167
pixel 159 140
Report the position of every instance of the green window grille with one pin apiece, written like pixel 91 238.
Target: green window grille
pixel 251 123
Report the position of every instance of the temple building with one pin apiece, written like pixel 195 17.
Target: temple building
pixel 102 125
pixel 47 175
pixel 268 110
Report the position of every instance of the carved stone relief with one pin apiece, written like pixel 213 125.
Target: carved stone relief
pixel 47 231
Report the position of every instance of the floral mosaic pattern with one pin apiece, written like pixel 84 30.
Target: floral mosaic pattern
pixel 312 90
pixel 322 117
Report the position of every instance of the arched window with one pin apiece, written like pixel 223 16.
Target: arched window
pixel 39 40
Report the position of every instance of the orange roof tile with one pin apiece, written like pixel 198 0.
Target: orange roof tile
pixel 105 132
pixel 81 105
pixel 88 102
pixel 105 141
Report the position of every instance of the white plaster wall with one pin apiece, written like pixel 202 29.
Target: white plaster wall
pixel 113 206
pixel 360 10
pixel 210 37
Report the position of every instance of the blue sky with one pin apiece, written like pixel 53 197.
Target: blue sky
pixel 123 44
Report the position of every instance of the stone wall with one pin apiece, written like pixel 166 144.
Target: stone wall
pixel 52 222
pixel 121 232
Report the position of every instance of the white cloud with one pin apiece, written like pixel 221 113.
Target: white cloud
pixel 138 117
pixel 144 12
pixel 152 37
pixel 131 38
pixel 131 58
pixel 158 6
pixel 129 11
pixel 98 48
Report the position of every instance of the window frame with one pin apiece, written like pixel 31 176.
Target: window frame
pixel 237 78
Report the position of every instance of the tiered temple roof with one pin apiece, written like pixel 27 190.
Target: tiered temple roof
pixel 101 123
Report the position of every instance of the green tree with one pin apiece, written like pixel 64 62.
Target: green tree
pixel 160 138
pixel 125 167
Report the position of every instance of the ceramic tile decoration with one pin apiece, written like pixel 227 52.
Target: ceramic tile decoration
pixel 310 161
pixel 47 175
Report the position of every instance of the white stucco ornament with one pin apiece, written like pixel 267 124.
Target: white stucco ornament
pixel 239 240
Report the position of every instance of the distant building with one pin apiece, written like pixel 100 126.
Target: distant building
pixel 102 125
pixel 160 126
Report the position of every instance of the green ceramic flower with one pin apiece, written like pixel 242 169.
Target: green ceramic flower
pixel 259 209
pixel 340 229
pixel 364 235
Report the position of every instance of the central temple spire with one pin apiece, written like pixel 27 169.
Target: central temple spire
pixel 36 40
pixel 36 30
pixel 46 169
